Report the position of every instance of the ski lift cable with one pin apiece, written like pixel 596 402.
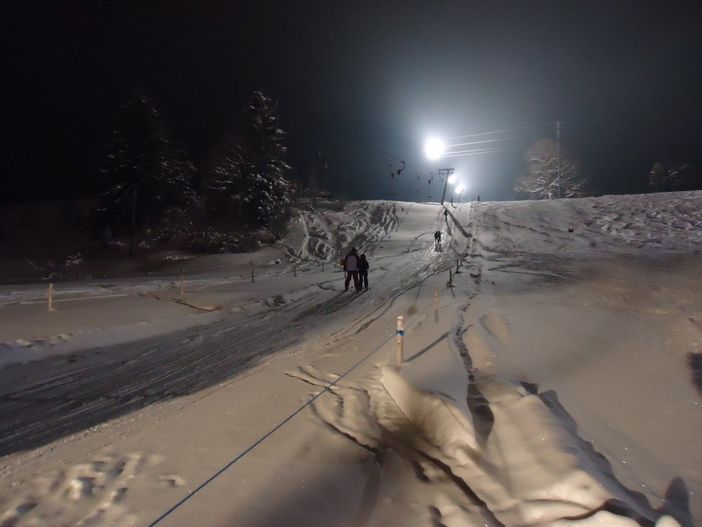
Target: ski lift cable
pixel 327 123
pixel 363 142
pixel 379 150
pixel 342 145
pixel 498 148
pixel 219 472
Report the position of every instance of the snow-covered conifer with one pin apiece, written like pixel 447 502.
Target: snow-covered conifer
pixel 250 170
pixel 664 178
pixel 145 172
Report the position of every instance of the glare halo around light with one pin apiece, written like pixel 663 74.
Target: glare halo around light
pixel 452 179
pixel 434 148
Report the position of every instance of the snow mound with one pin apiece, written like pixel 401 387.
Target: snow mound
pixel 652 223
pixel 533 470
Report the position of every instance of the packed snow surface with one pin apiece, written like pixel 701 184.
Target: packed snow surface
pixel 551 376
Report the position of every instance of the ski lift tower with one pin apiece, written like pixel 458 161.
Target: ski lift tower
pixel 434 150
pixel 446 172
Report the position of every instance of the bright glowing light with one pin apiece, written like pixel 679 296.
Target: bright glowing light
pixel 460 189
pixel 452 179
pixel 434 148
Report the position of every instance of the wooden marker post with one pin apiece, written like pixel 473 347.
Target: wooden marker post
pixel 182 283
pixel 252 272
pixel 400 348
pixel 51 297
pixel 436 304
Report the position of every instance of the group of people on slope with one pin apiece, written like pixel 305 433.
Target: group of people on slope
pixel 356 269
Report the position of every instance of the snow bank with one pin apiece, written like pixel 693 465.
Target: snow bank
pixel 651 224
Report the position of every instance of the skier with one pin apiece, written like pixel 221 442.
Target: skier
pixel 446 215
pixel 351 269
pixel 363 272
pixel 437 237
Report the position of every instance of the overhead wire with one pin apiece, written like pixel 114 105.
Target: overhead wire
pixel 498 144
pixel 481 151
pixel 494 145
pixel 498 148
pixel 496 140
pixel 504 130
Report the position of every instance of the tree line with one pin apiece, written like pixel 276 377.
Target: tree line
pixel 150 186
pixel 551 173
pixel 242 192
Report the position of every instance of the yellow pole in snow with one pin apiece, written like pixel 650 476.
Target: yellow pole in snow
pixel 51 297
pixel 400 348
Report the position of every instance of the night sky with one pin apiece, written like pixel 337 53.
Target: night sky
pixel 365 82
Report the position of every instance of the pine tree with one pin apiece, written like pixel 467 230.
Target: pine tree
pixel 658 178
pixel 145 173
pixel 670 178
pixel 250 171
pixel 541 180
pixel 223 184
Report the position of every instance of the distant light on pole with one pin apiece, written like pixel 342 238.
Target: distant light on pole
pixel 459 190
pixel 434 148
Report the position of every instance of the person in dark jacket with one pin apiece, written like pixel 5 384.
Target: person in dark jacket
pixel 363 272
pixel 351 269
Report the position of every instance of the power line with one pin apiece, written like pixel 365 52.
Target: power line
pixel 505 130
pixel 497 140
pixel 482 151
pixel 498 143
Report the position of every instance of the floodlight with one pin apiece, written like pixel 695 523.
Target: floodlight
pixel 434 148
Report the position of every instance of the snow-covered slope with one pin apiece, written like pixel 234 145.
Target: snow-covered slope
pixel 551 376
pixel 636 224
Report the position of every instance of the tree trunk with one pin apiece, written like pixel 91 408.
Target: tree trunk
pixel 132 230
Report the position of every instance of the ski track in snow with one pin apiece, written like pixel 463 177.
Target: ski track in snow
pixel 493 466
pixel 496 467
pixel 86 495
pixel 576 485
pixel 77 391
pixel 611 224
